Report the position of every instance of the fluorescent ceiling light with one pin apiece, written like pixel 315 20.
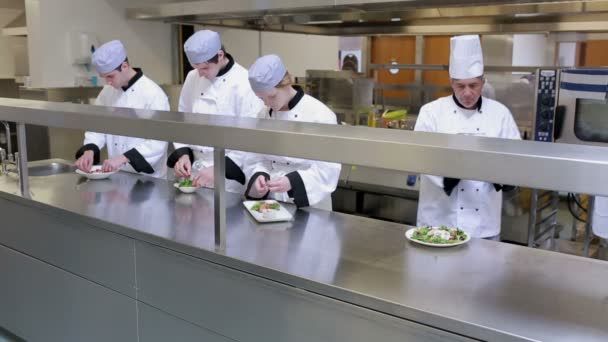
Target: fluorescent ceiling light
pixel 325 22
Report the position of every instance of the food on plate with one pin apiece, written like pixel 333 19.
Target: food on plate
pixel 264 207
pixel 439 235
pixel 186 183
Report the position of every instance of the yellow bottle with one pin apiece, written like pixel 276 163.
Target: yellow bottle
pixel 371 119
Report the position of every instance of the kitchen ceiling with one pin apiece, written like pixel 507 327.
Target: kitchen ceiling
pixel 370 17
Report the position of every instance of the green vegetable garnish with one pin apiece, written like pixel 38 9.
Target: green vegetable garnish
pixel 422 234
pixel 186 183
pixel 265 206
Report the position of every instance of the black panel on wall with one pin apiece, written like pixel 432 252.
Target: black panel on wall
pixel 185 31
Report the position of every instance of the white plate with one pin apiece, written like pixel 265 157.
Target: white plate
pixel 97 175
pixel 410 232
pixel 272 216
pixel 185 189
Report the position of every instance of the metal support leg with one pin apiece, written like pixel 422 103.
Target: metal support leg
pixel 532 217
pixel 554 231
pixel 589 226
pixel 219 204
pixel 576 210
pixel 24 183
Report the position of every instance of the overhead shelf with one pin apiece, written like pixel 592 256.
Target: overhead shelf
pixel 371 17
pixel 14 31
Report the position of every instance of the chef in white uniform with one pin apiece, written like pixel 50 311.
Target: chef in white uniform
pixel 300 181
pixel 470 205
pixel 600 219
pixel 218 86
pixel 125 87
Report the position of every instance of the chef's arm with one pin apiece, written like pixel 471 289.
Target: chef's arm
pixel 254 166
pixel 146 154
pixel 180 151
pixel 92 142
pixel 310 186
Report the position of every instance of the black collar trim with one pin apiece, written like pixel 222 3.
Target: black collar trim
pixel 296 99
pixel 138 74
pixel 228 66
pixel 477 106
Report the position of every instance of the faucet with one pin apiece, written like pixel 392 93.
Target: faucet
pixel 7 132
pixel 7 157
pixel 2 158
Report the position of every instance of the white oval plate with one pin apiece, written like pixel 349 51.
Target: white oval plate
pixel 96 175
pixel 410 232
pixel 185 189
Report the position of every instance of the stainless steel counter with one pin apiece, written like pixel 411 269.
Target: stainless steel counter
pixel 485 290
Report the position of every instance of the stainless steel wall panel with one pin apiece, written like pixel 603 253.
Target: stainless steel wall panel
pixel 95 254
pixel 158 326
pixel 248 308
pixel 43 303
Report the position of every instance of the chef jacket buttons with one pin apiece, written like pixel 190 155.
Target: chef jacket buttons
pixel 461 189
pixel 454 111
pixel 478 130
pixel 476 209
pixel 461 208
pixel 477 190
pixel 287 163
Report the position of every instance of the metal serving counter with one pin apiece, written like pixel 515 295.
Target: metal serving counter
pixel 193 257
pixel 483 290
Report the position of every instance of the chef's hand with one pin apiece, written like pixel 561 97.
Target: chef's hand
pixel 449 184
pixel 85 161
pixel 204 178
pixel 113 164
pixel 259 188
pixel 183 167
pixel 279 185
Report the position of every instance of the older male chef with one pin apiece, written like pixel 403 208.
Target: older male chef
pixel 467 204
pixel 125 87
pixel 219 86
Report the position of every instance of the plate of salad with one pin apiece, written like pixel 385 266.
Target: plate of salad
pixel 267 211
pixel 95 173
pixel 438 236
pixel 185 186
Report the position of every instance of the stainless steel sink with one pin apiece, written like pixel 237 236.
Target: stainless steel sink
pixel 53 168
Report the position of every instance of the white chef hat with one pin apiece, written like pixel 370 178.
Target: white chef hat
pixel 466 57
pixel 109 56
pixel 202 46
pixel 266 73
